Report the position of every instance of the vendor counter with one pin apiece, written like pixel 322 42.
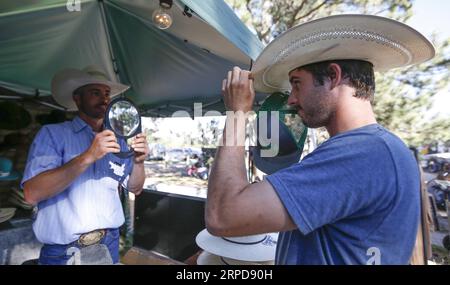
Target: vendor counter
pixel 167 220
pixel 17 242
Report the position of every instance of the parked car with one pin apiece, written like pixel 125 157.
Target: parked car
pixel 175 154
pixel 193 151
pixel 437 162
pixel 157 152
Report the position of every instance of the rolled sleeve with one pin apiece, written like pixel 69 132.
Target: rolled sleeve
pixel 44 155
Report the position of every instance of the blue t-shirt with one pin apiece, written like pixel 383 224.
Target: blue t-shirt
pixel 355 200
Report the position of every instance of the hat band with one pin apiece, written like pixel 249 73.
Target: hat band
pixel 345 33
pixel 341 33
pixel 4 174
pixel 246 243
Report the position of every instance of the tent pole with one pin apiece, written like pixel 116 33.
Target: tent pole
pixel 49 105
pixel 10 97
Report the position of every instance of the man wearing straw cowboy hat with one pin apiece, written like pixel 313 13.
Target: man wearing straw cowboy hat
pixel 355 199
pixel 68 173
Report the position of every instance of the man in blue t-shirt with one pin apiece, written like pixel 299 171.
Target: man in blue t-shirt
pixel 353 200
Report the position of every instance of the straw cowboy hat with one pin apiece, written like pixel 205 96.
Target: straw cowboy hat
pixel 254 248
pixel 65 82
pixel 17 198
pixel 385 43
pixel 207 258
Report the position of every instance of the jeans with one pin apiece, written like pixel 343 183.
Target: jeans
pixel 56 254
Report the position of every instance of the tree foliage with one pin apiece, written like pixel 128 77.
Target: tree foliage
pixel 269 18
pixel 404 99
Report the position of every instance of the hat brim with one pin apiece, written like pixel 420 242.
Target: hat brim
pixel 4 219
pixel 262 251
pixel 289 149
pixel 385 43
pixel 69 80
pixel 6 214
pixel 16 201
pixel 14 175
pixel 18 193
pixel 207 258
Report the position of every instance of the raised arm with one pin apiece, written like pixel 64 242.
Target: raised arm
pixel 137 176
pixel 234 207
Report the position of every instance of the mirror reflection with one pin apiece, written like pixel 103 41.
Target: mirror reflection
pixel 123 118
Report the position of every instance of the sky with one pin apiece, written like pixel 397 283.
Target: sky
pixel 433 16
pixel 429 16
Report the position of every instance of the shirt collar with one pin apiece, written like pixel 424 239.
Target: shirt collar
pixel 78 124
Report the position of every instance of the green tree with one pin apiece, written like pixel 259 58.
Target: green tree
pixel 269 18
pixel 208 133
pixel 403 97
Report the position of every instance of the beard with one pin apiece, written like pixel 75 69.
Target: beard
pixel 95 112
pixel 318 111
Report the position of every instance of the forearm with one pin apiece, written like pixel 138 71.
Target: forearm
pixel 228 175
pixel 52 182
pixel 137 178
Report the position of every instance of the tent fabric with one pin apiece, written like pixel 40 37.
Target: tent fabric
pixel 219 15
pixel 168 70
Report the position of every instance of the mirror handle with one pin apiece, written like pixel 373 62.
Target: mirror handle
pixel 128 154
pixel 124 155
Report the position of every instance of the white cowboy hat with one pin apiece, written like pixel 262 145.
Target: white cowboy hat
pixel 381 41
pixel 68 80
pixel 207 258
pixel 255 248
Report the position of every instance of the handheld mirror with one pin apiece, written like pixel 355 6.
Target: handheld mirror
pixel 123 118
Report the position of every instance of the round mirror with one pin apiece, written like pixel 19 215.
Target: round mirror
pixel 123 118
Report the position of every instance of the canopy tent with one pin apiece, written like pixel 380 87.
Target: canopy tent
pixel 167 70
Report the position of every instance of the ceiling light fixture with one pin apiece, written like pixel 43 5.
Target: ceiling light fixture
pixel 161 17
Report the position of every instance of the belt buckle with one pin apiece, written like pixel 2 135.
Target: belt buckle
pixel 91 238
